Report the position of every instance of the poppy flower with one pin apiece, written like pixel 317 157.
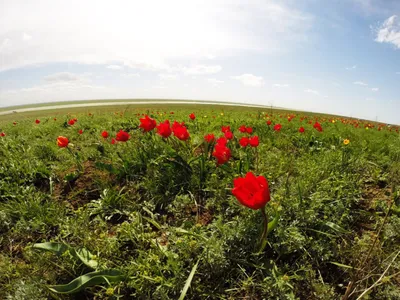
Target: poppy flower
pixel 176 125
pixel 104 134
pixel 147 123
pixel 244 141
pixel 301 129
pixel 221 153
pixel 269 122
pixel 14 123
pixel 164 129
pixel 192 116
pixel 228 135
pixel 277 127
pixel 222 141
pixel 71 122
pixel 249 130
pixel 55 119
pixel 318 126
pixel 62 142
pixel 122 136
pixel 242 129
pixel 80 131
pixel 113 141
pixel 209 138
pixel 2 134
pixel 251 191
pixel 254 141
pixel 225 128
pixel 181 133
pixel 37 121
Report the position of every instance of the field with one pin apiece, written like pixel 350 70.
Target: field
pixel 132 214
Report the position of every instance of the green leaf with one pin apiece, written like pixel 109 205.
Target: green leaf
pixel 59 249
pixel 189 281
pixel 336 227
pixel 88 280
pixel 342 265
pixel 274 223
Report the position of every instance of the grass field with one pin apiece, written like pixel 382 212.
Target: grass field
pixel 152 217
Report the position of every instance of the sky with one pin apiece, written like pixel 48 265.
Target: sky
pixel 340 57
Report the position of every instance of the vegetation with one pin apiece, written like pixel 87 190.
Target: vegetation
pixel 132 214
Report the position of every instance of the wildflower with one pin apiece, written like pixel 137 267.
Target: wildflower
pixel 301 129
pixel 164 129
pixel 104 134
pixel 346 141
pixel 2 134
pixel 225 128
pixel 251 191
pixel 122 136
pixel 80 131
pixel 14 123
pixel 244 141
pixel 254 141
pixel 71 122
pixel 192 116
pixel 112 141
pixel 277 127
pixel 209 138
pixel 269 122
pixel 249 130
pixel 37 121
pixel 228 135
pixel 221 153
pixel 147 123
pixel 318 126
pixel 242 129
pixel 62 142
pixel 181 132
pixel 222 141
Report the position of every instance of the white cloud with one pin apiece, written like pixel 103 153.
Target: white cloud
pixel 62 77
pixel 211 28
pixel 351 68
pixel 375 89
pixel 389 32
pixel 280 85
pixel 310 91
pixel 201 70
pixel 168 76
pixel 214 81
pixel 114 67
pixel 250 80
pixel 130 75
pixel 360 83
pixel 26 37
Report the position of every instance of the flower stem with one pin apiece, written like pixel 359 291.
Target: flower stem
pixel 263 240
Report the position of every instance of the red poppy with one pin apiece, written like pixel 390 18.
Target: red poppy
pixel 225 128
pixel 192 116
pixel 277 127
pixel 62 142
pixel 75 120
pixel 122 136
pixel 269 122
pixel 80 131
pixel 181 132
pixel 2 134
pixel 113 141
pixel 37 121
pixel 209 138
pixel 318 126
pixel 242 129
pixel 249 130
pixel 301 129
pixel 176 125
pixel 71 122
pixel 147 123
pixel 222 141
pixel 164 129
pixel 221 153
pixel 228 135
pixel 244 141
pixel 251 191
pixel 104 134
pixel 55 119
pixel 254 141
pixel 14 123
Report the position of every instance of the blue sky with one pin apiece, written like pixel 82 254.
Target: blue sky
pixel 340 57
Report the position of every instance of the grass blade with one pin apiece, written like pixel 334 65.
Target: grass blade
pixel 189 281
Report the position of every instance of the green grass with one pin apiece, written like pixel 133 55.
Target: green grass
pixel 154 211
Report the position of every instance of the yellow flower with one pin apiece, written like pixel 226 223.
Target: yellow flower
pixel 346 141
pixel 110 291
pixel 222 114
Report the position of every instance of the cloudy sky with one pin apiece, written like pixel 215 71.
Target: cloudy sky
pixel 338 56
